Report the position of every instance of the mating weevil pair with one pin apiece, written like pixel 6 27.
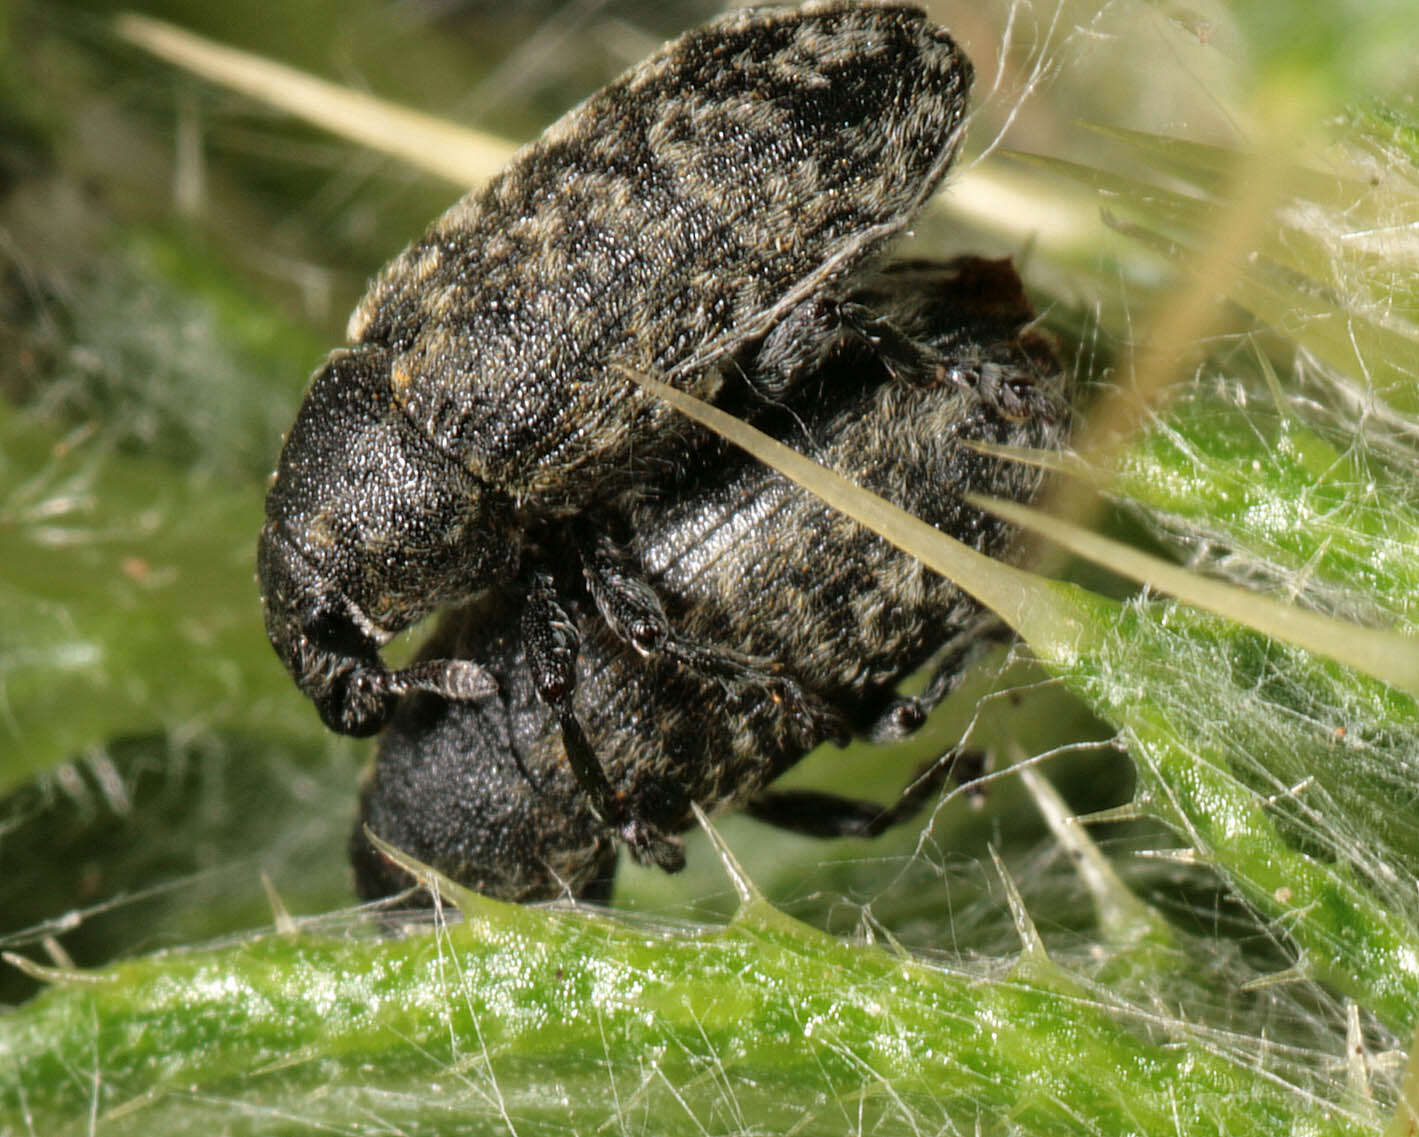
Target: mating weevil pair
pixel 743 559
pixel 709 219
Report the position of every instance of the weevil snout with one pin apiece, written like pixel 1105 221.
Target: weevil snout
pixel 332 659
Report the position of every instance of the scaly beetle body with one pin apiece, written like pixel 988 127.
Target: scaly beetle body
pixel 696 220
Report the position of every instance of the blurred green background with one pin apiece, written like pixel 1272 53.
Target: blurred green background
pixel 175 260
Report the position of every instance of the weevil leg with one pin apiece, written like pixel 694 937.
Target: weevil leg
pixel 816 814
pixel 633 612
pixel 598 889
pixel 822 326
pixel 552 642
pixel 903 716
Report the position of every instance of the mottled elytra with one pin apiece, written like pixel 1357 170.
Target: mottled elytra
pixel 698 220
pixel 742 559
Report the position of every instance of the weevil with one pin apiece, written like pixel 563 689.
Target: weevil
pixel 697 220
pixel 486 792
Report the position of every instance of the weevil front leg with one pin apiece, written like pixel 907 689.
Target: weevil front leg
pixel 552 642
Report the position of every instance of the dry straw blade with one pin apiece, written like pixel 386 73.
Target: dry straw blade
pixel 463 156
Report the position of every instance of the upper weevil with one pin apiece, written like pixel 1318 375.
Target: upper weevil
pixel 695 221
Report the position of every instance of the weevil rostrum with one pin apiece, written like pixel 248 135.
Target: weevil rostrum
pixel 745 560
pixel 698 220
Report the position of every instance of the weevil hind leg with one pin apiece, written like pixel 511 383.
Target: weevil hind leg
pixel 904 715
pixel 813 813
pixel 599 888
pixel 822 327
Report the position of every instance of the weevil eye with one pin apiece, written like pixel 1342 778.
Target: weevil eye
pixel 331 630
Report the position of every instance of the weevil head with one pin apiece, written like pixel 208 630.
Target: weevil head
pixel 482 792
pixel 369 527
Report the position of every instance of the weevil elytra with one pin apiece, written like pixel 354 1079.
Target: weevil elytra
pixel 698 220
pixel 744 560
